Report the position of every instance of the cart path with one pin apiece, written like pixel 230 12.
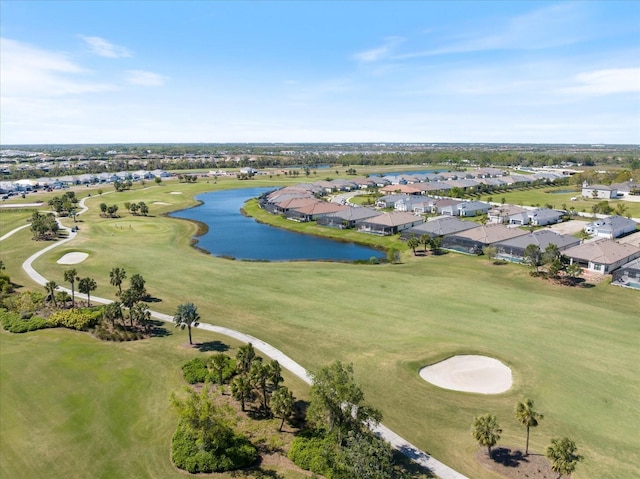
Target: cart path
pixel 402 445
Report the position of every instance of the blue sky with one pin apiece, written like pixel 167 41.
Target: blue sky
pixel 313 71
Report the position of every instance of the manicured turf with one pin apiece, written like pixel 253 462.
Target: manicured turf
pixel 573 350
pixel 73 406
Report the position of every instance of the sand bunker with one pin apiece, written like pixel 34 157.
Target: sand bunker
pixel 162 203
pixel 176 193
pixel 474 374
pixel 73 258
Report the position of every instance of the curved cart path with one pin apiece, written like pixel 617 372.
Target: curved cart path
pixel 405 447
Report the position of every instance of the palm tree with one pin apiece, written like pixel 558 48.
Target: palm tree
pixel 244 357
pixel 241 390
pixel 85 286
pixel 528 417
pixel 486 431
pixel 563 456
pixel 187 316
pixel 259 375
pixel 275 375
pixel 533 256
pixel 219 362
pixel 141 314
pixel 282 404
pixel 413 243
pixel 116 277
pixel 70 276
pixel 111 312
pixel 426 241
pixel 51 287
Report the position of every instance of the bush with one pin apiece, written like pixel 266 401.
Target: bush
pixel 312 453
pixel 79 319
pixel 195 371
pixel 13 323
pixel 187 453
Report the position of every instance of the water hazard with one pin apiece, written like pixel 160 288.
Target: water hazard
pixel 233 235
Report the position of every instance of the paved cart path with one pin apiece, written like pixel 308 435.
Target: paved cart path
pixel 405 447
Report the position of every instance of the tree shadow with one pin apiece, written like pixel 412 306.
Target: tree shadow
pixel 208 346
pixel 408 456
pixel 256 472
pixel 152 299
pixel 507 457
pixel 157 329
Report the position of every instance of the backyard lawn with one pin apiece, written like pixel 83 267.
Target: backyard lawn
pixel 573 350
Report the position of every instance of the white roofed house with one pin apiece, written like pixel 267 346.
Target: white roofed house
pixel 537 217
pixel 611 227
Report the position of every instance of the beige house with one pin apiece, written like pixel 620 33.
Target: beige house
pixel 602 256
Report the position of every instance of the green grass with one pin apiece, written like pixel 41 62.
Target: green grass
pixel 84 408
pixel 11 218
pixel 542 196
pixel 573 350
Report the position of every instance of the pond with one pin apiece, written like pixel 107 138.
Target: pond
pixel 233 235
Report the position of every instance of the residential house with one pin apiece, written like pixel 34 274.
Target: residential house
pixel 388 223
pixel 513 249
pixel 602 256
pixel 473 240
pixel 347 218
pixel 501 214
pixel 627 188
pixel 473 208
pixel 537 217
pixel 439 226
pixel 611 227
pixel 599 191
pixel 312 212
pixel 389 201
pixel 413 204
pixel 628 275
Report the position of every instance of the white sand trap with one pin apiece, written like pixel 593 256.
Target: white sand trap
pixel 73 258
pixel 176 193
pixel 474 374
pixel 162 203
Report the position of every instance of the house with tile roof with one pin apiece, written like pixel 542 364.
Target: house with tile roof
pixel 513 248
pixel 348 217
pixel 439 226
pixel 602 256
pixel 473 240
pixel 387 224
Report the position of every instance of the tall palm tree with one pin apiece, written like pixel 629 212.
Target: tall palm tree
pixel 141 314
pixel 116 277
pixel 70 276
pixel 563 455
pixel 219 362
pixel 187 316
pixel 413 243
pixel 528 417
pixel 51 287
pixel 85 286
pixel 241 390
pixel 486 431
pixel 259 376
pixel 111 312
pixel 244 357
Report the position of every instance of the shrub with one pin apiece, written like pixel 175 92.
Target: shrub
pixel 312 453
pixel 79 319
pixel 187 453
pixel 195 371
pixel 13 323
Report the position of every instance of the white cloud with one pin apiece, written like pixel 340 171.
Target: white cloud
pixel 144 78
pixel 28 71
pixel 101 47
pixel 606 82
pixel 379 53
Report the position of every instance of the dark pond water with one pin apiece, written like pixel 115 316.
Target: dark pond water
pixel 232 234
